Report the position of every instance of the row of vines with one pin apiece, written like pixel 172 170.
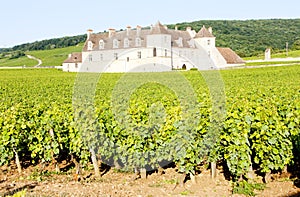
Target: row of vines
pixel 151 120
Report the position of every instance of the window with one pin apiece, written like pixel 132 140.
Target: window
pixel 126 43
pixel 139 54
pixel 101 57
pixel 90 45
pixel 101 44
pixel 192 43
pixel 166 52
pixel 180 42
pixel 127 59
pixel 138 42
pixel 154 52
pixel 208 42
pixel 90 57
pixel 76 65
pixel 116 56
pixel 115 43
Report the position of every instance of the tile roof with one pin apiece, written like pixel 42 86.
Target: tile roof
pixel 74 58
pixel 158 28
pixel 203 33
pixel 137 33
pixel 230 56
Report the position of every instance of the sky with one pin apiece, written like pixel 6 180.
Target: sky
pixel 34 20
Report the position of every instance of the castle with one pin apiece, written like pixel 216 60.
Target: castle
pixel 151 49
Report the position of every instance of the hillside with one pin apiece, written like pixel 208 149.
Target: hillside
pixel 55 57
pixel 48 44
pixel 252 37
pixel 50 57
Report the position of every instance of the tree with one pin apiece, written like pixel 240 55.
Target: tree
pixel 296 45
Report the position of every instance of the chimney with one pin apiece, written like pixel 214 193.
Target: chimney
pixel 188 29
pixel 210 30
pixel 89 32
pixel 111 32
pixel 176 28
pixel 128 30
pixel 70 55
pixel 151 27
pixel 138 30
pixel 166 27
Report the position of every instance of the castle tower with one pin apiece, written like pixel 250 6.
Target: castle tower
pixel 205 38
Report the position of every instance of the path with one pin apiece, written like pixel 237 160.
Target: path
pixel 34 58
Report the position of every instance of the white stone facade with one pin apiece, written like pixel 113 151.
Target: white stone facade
pixel 150 50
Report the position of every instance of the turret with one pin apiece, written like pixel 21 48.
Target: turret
pixel 206 38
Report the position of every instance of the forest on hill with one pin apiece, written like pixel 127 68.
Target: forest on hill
pixel 252 37
pixel 55 43
pixel 246 37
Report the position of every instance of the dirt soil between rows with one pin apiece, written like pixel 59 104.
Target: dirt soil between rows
pixel 34 182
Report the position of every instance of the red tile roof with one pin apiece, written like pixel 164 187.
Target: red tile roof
pixel 230 56
pixel 158 28
pixel 74 58
pixel 133 34
pixel 203 33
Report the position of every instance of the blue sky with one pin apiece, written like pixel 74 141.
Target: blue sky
pixel 32 20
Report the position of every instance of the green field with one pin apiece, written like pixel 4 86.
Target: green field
pixel 289 54
pixel 143 119
pixel 293 54
pixel 271 63
pixel 6 62
pixel 55 57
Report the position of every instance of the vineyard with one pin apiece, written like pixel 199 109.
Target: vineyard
pixel 150 120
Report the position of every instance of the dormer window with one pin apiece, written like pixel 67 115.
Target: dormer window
pixel 138 42
pixel 192 43
pixel 101 44
pixel 126 43
pixel 90 46
pixel 179 42
pixel 115 44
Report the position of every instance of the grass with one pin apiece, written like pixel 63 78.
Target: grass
pixel 290 54
pixel 55 57
pixel 161 183
pixel 186 192
pixel 271 63
pixel 246 188
pixel 6 62
pixel 275 55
